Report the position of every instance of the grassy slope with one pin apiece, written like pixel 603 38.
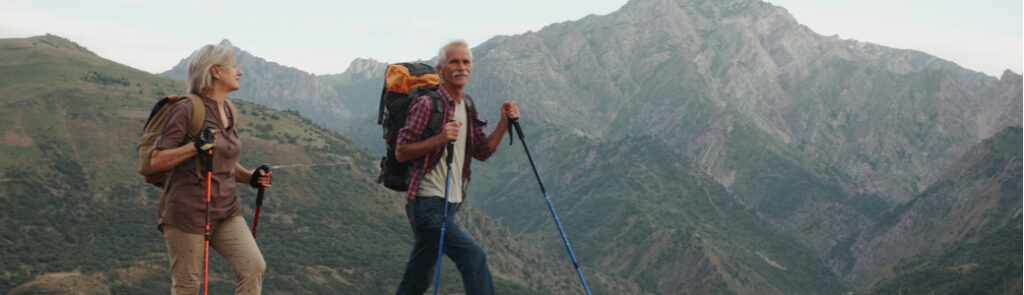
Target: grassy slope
pixel 987 259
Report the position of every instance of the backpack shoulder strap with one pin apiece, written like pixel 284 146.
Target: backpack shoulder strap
pixel 195 124
pixel 469 101
pixel 234 113
pixel 434 124
pixel 471 108
pixel 380 106
pixel 198 114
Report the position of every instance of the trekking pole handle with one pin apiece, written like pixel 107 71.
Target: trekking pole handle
pixel 451 151
pixel 515 123
pixel 259 193
pixel 450 148
pixel 209 133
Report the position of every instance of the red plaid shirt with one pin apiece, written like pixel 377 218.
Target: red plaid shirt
pixel 415 126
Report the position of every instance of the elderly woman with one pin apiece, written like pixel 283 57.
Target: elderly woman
pixel 212 74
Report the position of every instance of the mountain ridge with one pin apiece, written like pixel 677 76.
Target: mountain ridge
pixel 773 74
pixel 268 82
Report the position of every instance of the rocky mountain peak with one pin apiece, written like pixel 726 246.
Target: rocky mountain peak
pixel 365 68
pixel 1010 76
pixel 714 11
pixel 227 43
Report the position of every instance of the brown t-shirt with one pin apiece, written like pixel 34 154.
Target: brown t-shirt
pixel 185 206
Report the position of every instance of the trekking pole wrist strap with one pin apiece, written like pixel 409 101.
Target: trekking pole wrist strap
pixel 515 124
pixel 509 126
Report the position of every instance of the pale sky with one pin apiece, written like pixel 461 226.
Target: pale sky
pixel 323 37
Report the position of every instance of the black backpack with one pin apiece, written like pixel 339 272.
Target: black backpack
pixel 403 83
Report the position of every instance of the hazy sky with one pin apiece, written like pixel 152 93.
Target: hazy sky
pixel 323 37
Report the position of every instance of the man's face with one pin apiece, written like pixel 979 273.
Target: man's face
pixel 455 70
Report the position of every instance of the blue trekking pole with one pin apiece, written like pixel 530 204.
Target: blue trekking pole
pixel 515 123
pixel 444 218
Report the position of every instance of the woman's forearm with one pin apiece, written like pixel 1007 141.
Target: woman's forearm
pixel 163 160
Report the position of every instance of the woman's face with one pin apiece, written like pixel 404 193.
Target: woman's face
pixel 227 75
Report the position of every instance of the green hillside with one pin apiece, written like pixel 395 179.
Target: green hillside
pixel 361 92
pixel 990 266
pixel 973 247
pixel 75 216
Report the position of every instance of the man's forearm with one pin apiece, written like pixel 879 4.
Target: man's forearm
pixel 417 149
pixel 494 140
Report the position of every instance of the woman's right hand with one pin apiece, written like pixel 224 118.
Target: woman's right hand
pixel 205 140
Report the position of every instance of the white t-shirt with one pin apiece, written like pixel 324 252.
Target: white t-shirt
pixel 433 183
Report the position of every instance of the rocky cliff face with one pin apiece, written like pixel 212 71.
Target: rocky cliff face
pixel 871 126
pixel 889 118
pixel 362 69
pixel 281 87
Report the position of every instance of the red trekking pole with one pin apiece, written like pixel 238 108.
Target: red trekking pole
pixel 209 134
pixel 259 198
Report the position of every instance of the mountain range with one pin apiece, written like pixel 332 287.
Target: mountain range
pixel 690 147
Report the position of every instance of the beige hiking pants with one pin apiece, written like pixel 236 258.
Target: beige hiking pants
pixel 232 240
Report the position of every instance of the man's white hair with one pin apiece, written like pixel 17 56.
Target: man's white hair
pixel 442 55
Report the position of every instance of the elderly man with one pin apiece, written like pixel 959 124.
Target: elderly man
pixel 427 185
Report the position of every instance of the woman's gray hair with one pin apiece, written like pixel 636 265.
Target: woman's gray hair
pixel 442 55
pixel 199 77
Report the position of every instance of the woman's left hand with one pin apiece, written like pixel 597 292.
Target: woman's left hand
pixel 261 178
